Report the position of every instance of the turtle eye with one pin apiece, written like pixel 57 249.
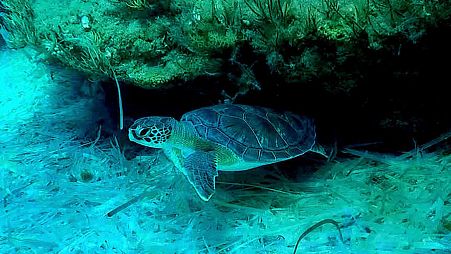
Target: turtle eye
pixel 143 132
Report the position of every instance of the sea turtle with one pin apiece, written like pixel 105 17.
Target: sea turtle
pixel 228 137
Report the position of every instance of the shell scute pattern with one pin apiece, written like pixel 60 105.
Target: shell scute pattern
pixel 254 133
pixel 217 136
pixel 209 116
pixel 252 154
pixel 201 129
pixel 238 148
pixel 267 156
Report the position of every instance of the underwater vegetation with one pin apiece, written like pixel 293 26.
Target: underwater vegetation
pixel 155 43
pixel 66 187
pixel 69 183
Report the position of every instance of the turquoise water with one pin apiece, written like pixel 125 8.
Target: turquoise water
pixel 71 181
pixel 61 176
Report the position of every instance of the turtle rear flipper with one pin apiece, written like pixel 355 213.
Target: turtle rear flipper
pixel 328 152
pixel 319 149
pixel 200 169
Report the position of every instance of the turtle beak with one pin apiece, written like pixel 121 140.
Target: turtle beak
pixel 132 135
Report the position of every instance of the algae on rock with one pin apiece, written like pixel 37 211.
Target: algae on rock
pixel 152 43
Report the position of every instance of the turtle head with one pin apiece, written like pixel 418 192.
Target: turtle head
pixel 153 131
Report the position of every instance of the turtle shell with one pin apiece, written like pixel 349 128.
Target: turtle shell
pixel 255 134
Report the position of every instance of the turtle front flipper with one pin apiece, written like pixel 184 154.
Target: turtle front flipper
pixel 200 169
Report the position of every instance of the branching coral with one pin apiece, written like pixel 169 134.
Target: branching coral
pixel 274 12
pixel 272 20
pixel 83 53
pixel 18 21
pixel 144 41
pixel 138 4
pixel 209 26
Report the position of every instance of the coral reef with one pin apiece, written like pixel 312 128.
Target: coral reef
pixel 152 43
pixel 17 18
pixel 62 169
